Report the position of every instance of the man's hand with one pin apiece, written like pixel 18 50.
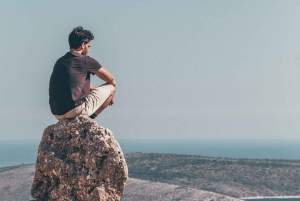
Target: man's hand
pixel 92 87
pixel 111 102
pixel 114 82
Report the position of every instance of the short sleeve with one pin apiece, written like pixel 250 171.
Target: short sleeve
pixel 92 65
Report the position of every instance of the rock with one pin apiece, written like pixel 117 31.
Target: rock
pixel 79 160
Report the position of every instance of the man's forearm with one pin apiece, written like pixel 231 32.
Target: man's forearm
pixel 103 74
pixel 109 79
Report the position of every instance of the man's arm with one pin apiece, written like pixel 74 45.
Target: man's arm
pixel 103 74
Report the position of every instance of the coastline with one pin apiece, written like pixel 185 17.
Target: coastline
pixel 269 197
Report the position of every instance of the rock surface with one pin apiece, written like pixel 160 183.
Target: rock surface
pixel 79 160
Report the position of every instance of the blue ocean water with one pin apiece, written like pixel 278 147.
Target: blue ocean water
pixel 18 152
pixel 277 199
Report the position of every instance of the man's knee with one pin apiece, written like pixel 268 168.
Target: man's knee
pixel 111 88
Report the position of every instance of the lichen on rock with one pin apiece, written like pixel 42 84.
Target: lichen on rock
pixel 79 160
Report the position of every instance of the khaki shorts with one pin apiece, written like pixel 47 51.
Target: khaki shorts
pixel 92 102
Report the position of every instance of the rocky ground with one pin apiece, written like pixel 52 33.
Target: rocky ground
pixel 183 177
pixel 137 189
pixel 16 181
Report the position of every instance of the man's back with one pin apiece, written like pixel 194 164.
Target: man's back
pixel 70 81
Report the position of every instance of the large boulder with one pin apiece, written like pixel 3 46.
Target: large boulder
pixel 79 160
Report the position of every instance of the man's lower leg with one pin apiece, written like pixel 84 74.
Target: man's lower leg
pixel 102 107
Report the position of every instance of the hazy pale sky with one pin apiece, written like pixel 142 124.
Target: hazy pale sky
pixel 185 69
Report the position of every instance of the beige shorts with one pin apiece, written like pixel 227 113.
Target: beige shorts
pixel 92 102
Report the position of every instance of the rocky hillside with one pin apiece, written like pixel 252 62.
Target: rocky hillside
pixel 16 181
pixel 231 177
pixel 182 177
pixel 137 189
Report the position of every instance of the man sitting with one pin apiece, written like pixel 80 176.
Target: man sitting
pixel 70 91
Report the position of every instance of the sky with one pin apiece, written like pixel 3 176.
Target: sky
pixel 209 69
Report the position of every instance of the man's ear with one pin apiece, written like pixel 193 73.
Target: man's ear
pixel 82 46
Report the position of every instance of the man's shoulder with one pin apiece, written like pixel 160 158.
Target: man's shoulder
pixel 92 61
pixel 90 58
pixel 65 56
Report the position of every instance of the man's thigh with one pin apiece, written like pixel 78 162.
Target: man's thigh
pixel 94 100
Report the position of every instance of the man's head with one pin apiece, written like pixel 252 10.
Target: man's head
pixel 80 38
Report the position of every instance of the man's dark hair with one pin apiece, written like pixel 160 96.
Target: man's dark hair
pixel 78 36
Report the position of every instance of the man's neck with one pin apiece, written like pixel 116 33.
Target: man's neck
pixel 75 51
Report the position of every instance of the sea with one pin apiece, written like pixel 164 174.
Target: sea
pixel 25 151
pixel 276 199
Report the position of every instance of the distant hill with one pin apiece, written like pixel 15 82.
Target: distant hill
pixel 182 177
pixel 231 177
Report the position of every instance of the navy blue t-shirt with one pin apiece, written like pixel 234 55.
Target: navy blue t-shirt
pixel 70 81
